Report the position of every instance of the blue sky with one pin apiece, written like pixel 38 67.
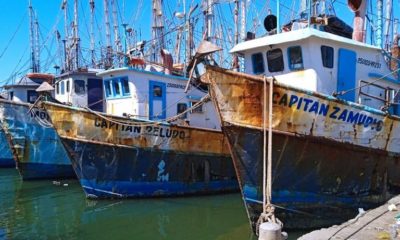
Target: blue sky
pixel 14 30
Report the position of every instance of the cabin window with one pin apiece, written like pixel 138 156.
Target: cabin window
pixel 275 60
pixel 58 88
pixel 125 86
pixel 198 109
pixel 32 96
pixel 107 88
pixel 327 54
pixel 258 63
pixel 157 91
pixel 11 96
pixel 295 58
pixel 79 86
pixel 181 107
pixel 116 88
pixel 62 87
pixel 68 86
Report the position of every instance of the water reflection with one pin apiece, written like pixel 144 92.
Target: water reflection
pixel 47 210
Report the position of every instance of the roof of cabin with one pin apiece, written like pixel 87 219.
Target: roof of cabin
pixel 131 69
pixel 83 72
pixel 25 82
pixel 294 36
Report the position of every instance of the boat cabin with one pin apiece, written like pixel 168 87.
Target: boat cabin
pixel 24 90
pixel 82 88
pixel 153 95
pixel 326 63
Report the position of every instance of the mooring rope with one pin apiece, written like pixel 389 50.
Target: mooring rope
pixel 268 214
pixel 170 119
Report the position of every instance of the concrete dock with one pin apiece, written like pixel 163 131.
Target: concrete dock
pixel 378 223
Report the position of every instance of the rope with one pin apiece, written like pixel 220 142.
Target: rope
pixel 170 119
pixel 268 214
pixel 367 84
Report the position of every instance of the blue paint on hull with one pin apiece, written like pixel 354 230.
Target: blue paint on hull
pixel 117 172
pixel 39 151
pixel 316 182
pixel 7 163
pixel 6 157
pixel 121 189
pixel 36 171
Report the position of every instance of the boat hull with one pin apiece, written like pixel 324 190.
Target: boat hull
pixel 36 146
pixel 142 159
pixel 329 157
pixel 315 182
pixel 118 172
pixel 6 157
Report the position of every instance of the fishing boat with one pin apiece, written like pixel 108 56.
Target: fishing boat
pixel 36 147
pixel 334 104
pixel 155 140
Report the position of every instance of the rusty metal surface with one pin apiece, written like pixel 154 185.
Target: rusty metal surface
pixel 329 156
pixel 85 126
pixel 37 149
pixel 240 102
pixel 144 159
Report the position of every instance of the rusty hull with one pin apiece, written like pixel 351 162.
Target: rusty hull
pixel 142 158
pixel 37 149
pixel 330 157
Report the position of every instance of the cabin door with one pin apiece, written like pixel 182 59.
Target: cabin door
pixel 157 100
pixel 347 74
pixel 95 94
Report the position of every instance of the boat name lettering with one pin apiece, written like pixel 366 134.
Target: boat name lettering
pixel 157 131
pixel 174 85
pixel 334 112
pixel 369 63
pixel 41 114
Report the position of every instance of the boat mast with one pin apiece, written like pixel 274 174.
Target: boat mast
pixel 76 35
pixel 34 66
pixel 64 7
pixel 388 17
pixel 395 30
pixel 92 43
pixel 108 60
pixel 36 43
pixel 243 20
pixel 379 24
pixel 209 20
pixel 117 40
pixel 235 63
pixel 157 31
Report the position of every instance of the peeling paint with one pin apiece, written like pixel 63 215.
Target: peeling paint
pixel 37 149
pixel 142 159
pixel 330 157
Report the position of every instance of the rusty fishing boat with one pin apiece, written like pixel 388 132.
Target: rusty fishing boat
pixel 335 125
pixel 153 140
pixel 35 145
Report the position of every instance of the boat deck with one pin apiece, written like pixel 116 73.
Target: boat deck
pixel 378 223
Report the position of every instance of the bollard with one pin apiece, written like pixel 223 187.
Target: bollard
pixel 270 231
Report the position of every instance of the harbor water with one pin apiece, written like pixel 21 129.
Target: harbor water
pixel 59 210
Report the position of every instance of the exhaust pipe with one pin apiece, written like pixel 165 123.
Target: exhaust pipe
pixel 359 7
